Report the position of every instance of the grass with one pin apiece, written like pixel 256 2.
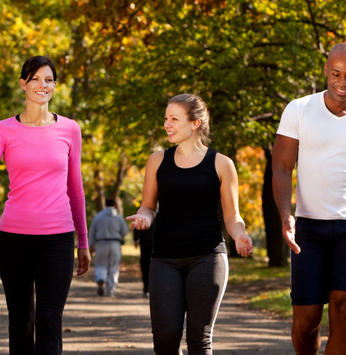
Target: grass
pixel 279 302
pixel 255 268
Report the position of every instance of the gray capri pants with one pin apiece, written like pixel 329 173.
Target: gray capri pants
pixel 194 286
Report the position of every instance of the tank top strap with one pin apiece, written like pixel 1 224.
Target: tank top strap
pixel 211 153
pixel 169 154
pixel 209 158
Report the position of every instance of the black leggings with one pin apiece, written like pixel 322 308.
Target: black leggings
pixel 192 285
pixel 145 265
pixel 43 262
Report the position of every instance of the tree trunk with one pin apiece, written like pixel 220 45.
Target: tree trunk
pixel 100 201
pixel 277 248
pixel 122 170
pixel 232 251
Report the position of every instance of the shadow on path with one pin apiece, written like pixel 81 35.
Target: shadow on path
pixel 121 325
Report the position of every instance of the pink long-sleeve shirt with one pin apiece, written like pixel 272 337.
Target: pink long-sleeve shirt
pixel 44 167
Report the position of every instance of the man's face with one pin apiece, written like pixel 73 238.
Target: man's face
pixel 335 69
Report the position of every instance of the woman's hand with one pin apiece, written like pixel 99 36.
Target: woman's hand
pixel 139 221
pixel 243 244
pixel 83 261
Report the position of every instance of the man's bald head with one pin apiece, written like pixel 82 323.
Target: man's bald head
pixel 336 54
pixel 338 49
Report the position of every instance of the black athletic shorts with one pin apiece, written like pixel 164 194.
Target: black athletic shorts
pixel 321 265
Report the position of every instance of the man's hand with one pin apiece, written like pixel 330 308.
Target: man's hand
pixel 288 232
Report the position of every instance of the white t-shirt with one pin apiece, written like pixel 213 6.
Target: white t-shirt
pixel 321 186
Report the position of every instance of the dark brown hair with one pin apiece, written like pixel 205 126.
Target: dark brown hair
pixel 33 64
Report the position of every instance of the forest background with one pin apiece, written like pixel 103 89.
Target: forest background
pixel 119 61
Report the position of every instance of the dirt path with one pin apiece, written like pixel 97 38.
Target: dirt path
pixel 102 325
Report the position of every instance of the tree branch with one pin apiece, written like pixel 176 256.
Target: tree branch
pixel 313 22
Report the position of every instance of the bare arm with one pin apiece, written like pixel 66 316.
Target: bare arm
pixel 284 159
pixel 229 200
pixel 146 213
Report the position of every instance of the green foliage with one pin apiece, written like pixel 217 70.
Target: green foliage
pixel 119 63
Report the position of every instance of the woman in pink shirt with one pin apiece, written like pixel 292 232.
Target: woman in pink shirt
pixel 45 205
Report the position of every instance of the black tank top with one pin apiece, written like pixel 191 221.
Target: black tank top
pixel 187 221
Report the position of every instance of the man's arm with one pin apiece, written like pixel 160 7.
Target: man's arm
pixel 284 159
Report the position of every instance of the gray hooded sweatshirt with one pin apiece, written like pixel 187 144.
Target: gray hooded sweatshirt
pixel 107 225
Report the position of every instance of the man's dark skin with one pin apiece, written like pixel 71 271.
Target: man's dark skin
pixel 306 319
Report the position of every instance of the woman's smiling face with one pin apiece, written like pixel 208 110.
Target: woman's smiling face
pixel 177 124
pixel 41 87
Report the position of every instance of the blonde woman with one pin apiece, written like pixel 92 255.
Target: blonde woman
pixel 189 268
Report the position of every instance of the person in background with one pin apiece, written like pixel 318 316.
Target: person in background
pixel 145 239
pixel 45 205
pixel 107 232
pixel 189 267
pixel 312 134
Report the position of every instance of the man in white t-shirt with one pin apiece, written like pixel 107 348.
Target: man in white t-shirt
pixel 312 133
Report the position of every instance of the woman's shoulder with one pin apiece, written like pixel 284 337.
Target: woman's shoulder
pixel 7 124
pixel 223 163
pixel 155 161
pixel 223 159
pixel 69 126
pixel 156 157
pixel 7 121
pixel 67 121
